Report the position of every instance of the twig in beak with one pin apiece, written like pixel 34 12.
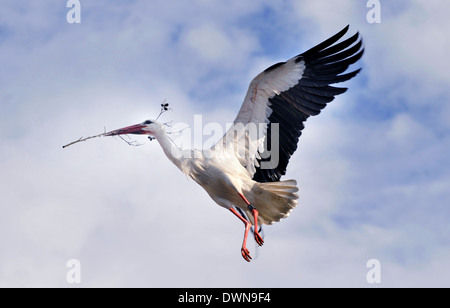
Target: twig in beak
pixel 83 139
pixel 132 143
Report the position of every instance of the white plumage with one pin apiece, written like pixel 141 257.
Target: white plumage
pixel 237 173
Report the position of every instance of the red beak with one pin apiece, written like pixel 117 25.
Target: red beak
pixel 133 129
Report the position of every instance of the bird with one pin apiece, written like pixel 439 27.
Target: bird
pixel 237 172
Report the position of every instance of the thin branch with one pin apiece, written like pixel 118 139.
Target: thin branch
pixel 133 143
pixel 164 108
pixel 83 139
pixel 177 131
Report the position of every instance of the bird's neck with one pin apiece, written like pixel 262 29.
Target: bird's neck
pixel 171 150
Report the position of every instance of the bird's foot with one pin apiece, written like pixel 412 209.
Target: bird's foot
pixel 258 237
pixel 246 254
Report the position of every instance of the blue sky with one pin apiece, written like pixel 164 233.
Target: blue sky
pixel 373 167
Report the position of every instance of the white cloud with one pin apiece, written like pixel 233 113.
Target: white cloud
pixel 210 43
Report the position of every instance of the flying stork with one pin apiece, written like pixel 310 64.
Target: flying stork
pixel 233 172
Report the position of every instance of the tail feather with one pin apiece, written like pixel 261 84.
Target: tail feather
pixel 274 200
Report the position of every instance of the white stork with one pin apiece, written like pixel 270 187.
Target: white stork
pixel 233 172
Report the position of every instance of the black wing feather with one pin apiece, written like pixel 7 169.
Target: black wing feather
pixel 324 65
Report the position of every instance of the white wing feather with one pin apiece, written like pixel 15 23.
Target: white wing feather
pixel 249 129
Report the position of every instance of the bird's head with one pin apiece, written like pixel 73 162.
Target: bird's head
pixel 148 127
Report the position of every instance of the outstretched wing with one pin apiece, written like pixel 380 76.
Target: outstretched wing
pixel 281 98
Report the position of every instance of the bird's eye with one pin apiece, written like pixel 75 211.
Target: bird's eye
pixel 148 122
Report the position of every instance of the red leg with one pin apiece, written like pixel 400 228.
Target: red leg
pixel 244 251
pixel 258 237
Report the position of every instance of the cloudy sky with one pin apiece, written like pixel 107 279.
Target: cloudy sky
pixel 373 168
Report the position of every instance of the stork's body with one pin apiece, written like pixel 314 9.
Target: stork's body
pixel 234 172
pixel 230 185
